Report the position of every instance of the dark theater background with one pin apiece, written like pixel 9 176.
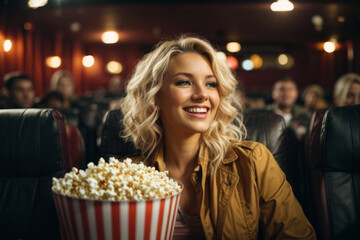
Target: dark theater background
pixel 72 29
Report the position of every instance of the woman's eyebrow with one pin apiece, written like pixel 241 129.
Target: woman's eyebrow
pixel 183 73
pixel 191 75
pixel 210 76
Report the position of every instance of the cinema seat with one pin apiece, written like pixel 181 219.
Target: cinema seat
pixel 33 150
pixel 335 178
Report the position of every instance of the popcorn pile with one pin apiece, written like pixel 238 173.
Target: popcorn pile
pixel 116 181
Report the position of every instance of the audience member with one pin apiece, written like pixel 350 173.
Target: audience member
pixel 178 113
pixel 285 94
pixel 347 90
pixel 63 82
pixel 19 90
pixel 313 97
pixel 53 99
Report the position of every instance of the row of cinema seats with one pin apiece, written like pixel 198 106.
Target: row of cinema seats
pixel 33 149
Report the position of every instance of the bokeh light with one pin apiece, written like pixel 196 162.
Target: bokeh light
pixel 110 37
pixel 257 61
pixel 329 47
pixel 53 61
pixel 7 45
pixel 247 65
pixel 114 67
pixel 232 62
pixel 233 47
pixel 88 61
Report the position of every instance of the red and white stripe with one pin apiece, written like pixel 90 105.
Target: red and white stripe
pixel 92 219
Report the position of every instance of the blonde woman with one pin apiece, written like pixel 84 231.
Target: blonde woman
pixel 347 90
pixel 178 112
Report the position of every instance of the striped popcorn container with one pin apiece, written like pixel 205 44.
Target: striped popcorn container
pixel 98 219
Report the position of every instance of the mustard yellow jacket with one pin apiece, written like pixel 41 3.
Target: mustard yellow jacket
pixel 248 195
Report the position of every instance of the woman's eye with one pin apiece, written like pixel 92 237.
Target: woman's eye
pixel 182 83
pixel 212 84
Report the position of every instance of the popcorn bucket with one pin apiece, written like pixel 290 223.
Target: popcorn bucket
pixel 99 219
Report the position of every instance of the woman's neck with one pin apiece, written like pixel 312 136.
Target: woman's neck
pixel 181 153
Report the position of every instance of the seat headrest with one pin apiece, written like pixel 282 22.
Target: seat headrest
pixel 340 139
pixel 112 145
pixel 32 142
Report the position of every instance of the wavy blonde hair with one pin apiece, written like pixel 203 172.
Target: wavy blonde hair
pixel 141 116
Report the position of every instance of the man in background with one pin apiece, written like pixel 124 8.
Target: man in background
pixel 285 94
pixel 19 90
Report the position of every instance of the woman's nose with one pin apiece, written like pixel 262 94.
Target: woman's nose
pixel 200 94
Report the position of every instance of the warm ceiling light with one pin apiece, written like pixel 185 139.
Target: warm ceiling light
pixel 232 62
pixel 329 47
pixel 247 65
pixel 88 61
pixel 283 59
pixel 53 61
pixel 7 45
pixel 282 6
pixel 257 61
pixel 37 3
pixel 233 47
pixel 114 67
pixel 110 37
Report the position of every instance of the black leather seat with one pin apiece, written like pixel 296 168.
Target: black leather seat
pixel 335 182
pixel 33 149
pixel 269 129
pixel 112 145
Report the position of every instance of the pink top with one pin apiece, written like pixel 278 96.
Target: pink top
pixel 188 227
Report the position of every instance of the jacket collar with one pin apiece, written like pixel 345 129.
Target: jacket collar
pixel 230 156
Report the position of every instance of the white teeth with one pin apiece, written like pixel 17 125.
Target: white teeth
pixel 196 110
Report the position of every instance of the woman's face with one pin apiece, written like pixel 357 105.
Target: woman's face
pixel 353 96
pixel 65 86
pixel 310 100
pixel 189 97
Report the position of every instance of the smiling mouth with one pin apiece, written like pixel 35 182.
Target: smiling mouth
pixel 196 110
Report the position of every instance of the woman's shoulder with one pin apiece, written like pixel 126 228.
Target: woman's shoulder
pixel 251 152
pixel 248 146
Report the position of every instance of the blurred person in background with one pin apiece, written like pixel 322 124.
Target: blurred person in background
pixel 19 91
pixel 115 92
pixel 347 90
pixel 63 82
pixel 53 99
pixel 285 94
pixel 313 97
